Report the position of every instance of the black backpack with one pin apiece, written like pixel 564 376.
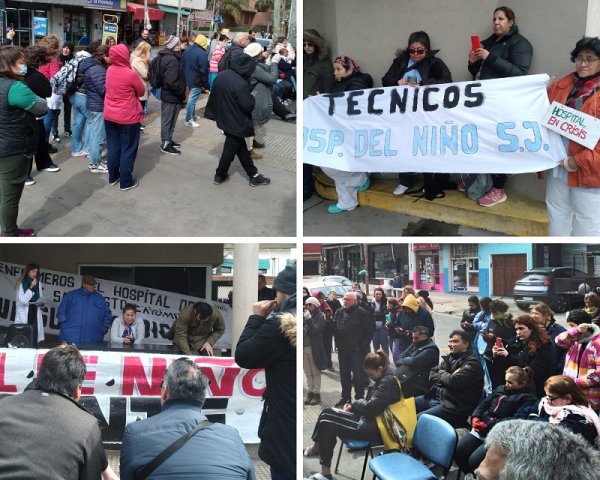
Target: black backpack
pixel 154 73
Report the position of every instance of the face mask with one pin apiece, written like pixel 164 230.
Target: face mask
pixel 23 70
pixel 229 45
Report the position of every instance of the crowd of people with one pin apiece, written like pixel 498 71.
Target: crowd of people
pixel 104 90
pixel 498 367
pixel 571 185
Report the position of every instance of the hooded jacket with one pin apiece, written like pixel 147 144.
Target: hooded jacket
pixel 262 80
pixel 432 70
pixel 503 403
pixel 414 365
pixel 318 69
pixel 231 102
pixel 582 363
pixel 195 66
pixel 173 86
pixel 123 89
pixel 408 321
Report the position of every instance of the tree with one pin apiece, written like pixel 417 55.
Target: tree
pixel 231 8
pixel 265 5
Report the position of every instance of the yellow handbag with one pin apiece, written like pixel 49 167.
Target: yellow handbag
pixel 397 423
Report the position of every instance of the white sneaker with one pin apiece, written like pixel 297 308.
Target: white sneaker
pixel 191 123
pixel 399 190
pixel 99 168
pixel 81 153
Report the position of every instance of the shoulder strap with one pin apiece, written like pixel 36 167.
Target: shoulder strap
pixel 170 450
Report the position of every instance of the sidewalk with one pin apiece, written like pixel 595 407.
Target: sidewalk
pixel 175 196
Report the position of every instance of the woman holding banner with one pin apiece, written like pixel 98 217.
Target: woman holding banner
pixel 506 53
pixel 573 186
pixel 348 77
pixel 29 298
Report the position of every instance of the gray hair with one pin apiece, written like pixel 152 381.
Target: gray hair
pixel 185 381
pixel 62 370
pixel 540 450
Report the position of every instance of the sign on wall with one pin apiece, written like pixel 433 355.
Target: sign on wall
pixel 488 126
pixel 158 309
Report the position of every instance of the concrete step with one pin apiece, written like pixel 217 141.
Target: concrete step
pixel 518 215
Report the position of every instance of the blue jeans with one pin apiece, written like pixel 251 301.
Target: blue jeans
pixel 380 340
pixel 81 117
pixel 97 138
pixel 190 111
pixel 122 142
pixel 49 120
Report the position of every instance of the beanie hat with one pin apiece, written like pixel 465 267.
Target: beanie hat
pixel 411 302
pixel 172 42
pixel 286 280
pixel 253 49
pixel 312 301
pixel 201 40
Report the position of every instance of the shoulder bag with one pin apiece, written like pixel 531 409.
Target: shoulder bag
pixel 397 423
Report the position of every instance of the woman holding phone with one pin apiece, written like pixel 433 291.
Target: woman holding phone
pixel 505 53
pixel 29 298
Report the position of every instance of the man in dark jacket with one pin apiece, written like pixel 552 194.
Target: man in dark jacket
pixel 457 383
pixel 269 341
pixel 195 69
pixel 182 396
pixel 353 330
pixel 230 104
pixel 410 315
pixel 240 41
pixel 415 363
pixel 172 93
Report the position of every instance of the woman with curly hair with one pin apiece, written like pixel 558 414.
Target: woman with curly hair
pixel 530 348
pixel 544 316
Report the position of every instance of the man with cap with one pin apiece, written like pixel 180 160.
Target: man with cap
pixel 195 69
pixel 269 341
pixel 239 42
pixel 230 105
pixel 172 93
pixel 83 314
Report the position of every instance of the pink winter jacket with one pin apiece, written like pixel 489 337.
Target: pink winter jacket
pixel 123 87
pixel 50 69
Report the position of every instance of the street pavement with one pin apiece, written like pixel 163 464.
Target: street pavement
pixel 176 196
pixel 448 310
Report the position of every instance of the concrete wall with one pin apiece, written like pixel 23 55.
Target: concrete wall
pixel 371 32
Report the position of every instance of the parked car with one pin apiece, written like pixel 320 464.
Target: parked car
pixel 557 287
pixel 329 280
pixel 314 288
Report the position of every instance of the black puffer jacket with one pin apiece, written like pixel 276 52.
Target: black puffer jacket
pixel 503 403
pixel 173 85
pixel 355 81
pixel 380 395
pixel 353 328
pixel 414 366
pixel 432 70
pixel 231 102
pixel 509 56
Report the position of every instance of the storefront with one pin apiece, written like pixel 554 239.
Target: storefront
pixel 464 261
pixel 135 18
pixel 345 260
pixel 29 20
pixel 427 274
pixel 387 260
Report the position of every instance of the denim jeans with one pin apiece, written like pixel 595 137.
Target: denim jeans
pixel 49 121
pixel 191 105
pixel 122 142
pixel 82 124
pixel 97 138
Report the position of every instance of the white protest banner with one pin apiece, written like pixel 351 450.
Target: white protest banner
pixel 573 124
pixel 488 126
pixel 158 309
pixel 120 388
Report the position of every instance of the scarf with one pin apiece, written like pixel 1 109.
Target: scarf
pixel 583 88
pixel 503 319
pixel 26 284
pixel 347 63
pixel 558 414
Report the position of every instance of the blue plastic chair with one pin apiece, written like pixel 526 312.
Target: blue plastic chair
pixel 435 440
pixel 356 445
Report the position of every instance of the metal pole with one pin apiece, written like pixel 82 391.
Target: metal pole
pixel 179 18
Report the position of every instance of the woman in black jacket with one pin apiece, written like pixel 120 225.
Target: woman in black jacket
pixel 506 53
pixel 417 65
pixel 356 421
pixel 503 403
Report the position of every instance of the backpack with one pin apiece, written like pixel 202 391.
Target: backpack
pixel 154 73
pixel 477 185
pixel 63 81
pixel 225 61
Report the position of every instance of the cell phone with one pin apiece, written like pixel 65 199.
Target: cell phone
pixel 498 343
pixel 475 42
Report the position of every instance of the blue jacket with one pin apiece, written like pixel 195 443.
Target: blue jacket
pixel 94 81
pixel 215 452
pixel 83 317
pixel 195 66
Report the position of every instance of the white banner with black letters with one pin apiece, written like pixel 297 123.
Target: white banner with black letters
pixel 489 126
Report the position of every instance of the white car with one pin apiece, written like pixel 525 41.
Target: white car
pixel 329 280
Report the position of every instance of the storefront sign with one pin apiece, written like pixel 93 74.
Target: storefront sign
pixel 573 124
pixel 426 246
pixel 195 4
pixel 106 4
pixel 158 309
pixel 120 388
pixel 490 126
pixel 201 16
pixel 40 27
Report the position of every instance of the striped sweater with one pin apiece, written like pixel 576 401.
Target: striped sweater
pixel 585 371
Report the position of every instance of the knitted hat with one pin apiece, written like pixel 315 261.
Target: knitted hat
pixel 286 280
pixel 254 49
pixel 172 42
pixel 411 302
pixel 312 301
pixel 201 40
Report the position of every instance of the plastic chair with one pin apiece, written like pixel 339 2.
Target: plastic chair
pixel 355 445
pixel 435 440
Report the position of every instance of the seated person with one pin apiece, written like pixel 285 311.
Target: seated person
pixel 415 363
pixel 127 328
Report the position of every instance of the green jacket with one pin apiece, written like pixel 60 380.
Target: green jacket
pixel 191 335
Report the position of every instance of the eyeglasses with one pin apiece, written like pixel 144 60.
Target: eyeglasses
pixel 552 399
pixel 586 60
pixel 419 51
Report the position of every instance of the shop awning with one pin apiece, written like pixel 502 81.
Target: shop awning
pixel 138 12
pixel 174 10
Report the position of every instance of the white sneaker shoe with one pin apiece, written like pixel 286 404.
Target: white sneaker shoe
pixel 399 190
pixel 191 123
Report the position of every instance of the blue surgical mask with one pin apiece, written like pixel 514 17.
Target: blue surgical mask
pixel 23 70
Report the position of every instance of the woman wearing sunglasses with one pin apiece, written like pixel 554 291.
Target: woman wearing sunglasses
pixel 505 53
pixel 417 65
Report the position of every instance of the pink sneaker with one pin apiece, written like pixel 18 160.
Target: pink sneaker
pixel 494 196
pixel 461 187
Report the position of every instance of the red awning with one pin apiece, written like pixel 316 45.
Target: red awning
pixel 138 12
